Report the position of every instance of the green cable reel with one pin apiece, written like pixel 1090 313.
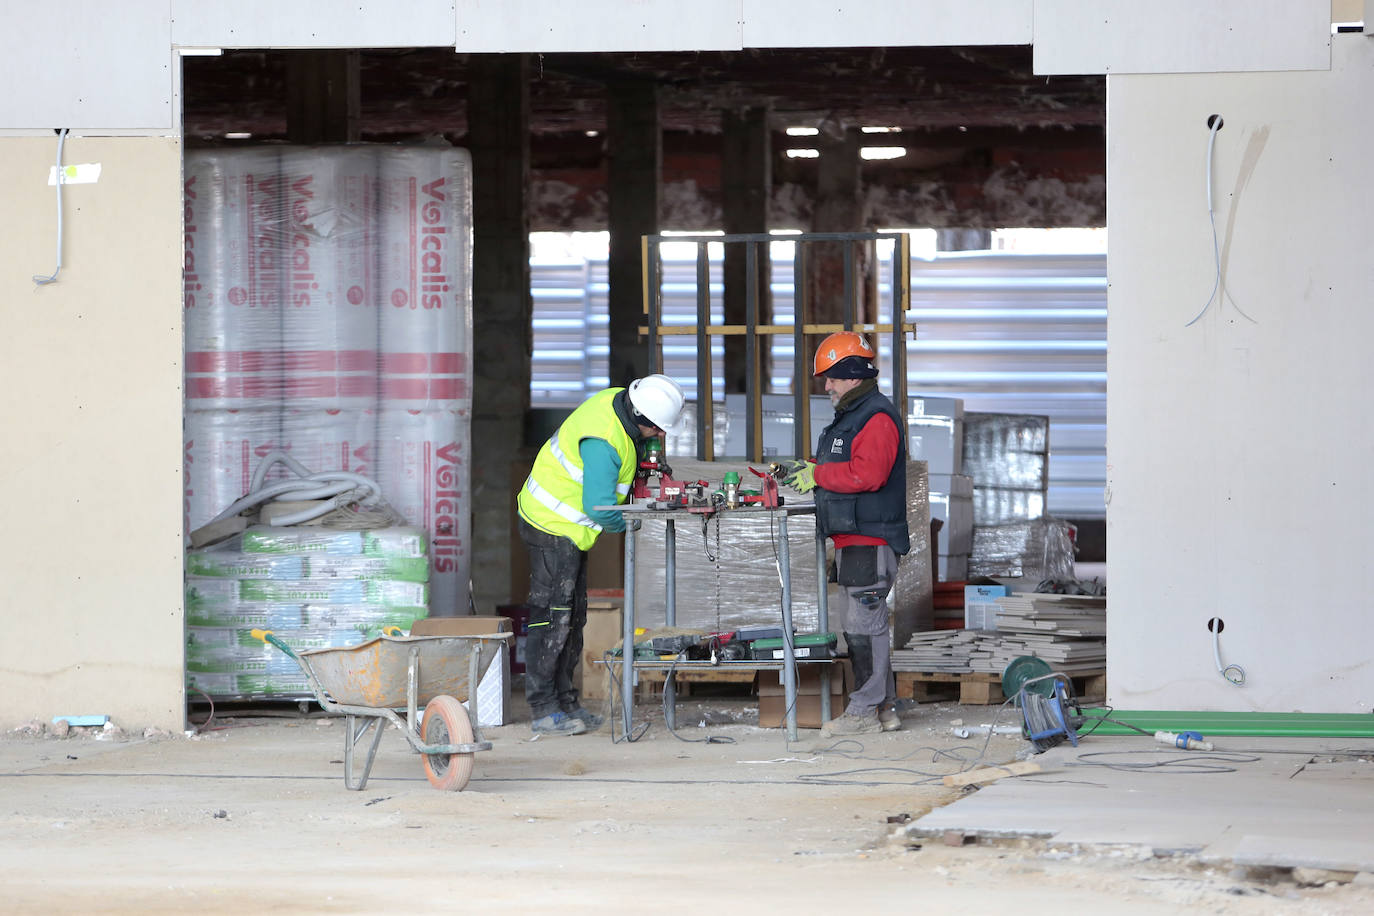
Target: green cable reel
pixel 1025 668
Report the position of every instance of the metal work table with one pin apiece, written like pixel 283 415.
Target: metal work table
pixel 635 514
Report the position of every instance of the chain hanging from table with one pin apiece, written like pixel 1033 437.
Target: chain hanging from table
pixel 714 559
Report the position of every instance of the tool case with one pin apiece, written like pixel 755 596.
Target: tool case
pixel 807 645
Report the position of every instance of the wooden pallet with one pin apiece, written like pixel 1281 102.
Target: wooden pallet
pixel 979 689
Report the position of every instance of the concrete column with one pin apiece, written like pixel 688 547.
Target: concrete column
pixel 322 96
pixel 635 175
pixel 498 114
pixel 839 207
pixel 747 181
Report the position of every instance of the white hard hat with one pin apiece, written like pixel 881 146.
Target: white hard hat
pixel 658 399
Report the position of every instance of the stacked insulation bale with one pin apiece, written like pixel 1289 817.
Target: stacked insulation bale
pixel 328 313
pixel 313 587
pixel 1008 456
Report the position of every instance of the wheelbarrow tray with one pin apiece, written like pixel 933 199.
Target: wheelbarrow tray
pixel 375 673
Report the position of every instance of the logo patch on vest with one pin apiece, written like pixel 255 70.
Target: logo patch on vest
pixel 837 446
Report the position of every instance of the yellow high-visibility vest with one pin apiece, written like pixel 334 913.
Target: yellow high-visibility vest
pixel 551 498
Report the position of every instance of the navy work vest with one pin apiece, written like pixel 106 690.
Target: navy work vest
pixel 881 513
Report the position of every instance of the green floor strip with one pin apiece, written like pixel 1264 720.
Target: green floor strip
pixel 1272 724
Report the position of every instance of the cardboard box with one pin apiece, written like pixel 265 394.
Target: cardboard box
pixel 773 700
pixel 980 606
pixel 602 633
pixel 493 692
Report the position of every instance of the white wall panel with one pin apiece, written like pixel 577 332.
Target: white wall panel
pixel 90 389
pixel 312 23
pixel 828 23
pixel 1181 36
pixel 85 64
pixel 598 25
pixel 1240 465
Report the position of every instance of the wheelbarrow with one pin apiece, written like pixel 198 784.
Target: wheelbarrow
pixel 370 682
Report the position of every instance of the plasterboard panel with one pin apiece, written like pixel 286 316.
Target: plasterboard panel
pixel 822 24
pixel 1238 464
pixel 1181 36
pixel 486 26
pixel 91 370
pixel 312 23
pixel 88 64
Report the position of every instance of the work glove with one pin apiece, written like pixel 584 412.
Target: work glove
pixel 800 475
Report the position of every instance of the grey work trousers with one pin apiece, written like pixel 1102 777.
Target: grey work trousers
pixel 866 615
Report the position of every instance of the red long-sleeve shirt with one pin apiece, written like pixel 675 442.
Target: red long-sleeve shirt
pixel 871 456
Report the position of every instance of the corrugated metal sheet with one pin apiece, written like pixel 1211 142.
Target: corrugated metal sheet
pixel 1006 333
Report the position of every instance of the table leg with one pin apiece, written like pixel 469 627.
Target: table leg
pixel 823 612
pixel 789 662
pixel 670 613
pixel 627 650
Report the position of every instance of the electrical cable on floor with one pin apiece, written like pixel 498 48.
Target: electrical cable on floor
pixel 1190 763
pixel 668 714
pixel 52 278
pixel 206 724
pixel 1215 123
pixel 615 692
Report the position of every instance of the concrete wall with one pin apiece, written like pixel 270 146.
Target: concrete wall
pixel 90 377
pixel 1239 455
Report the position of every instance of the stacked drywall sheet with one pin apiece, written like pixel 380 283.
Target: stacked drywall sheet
pixel 312 587
pixel 1067 631
pixel 727 565
pixel 328 314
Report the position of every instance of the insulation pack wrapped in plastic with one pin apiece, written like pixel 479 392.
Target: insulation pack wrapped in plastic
pixel 1034 550
pixel 727 567
pixel 727 574
pixel 328 315
pixel 1007 455
pixel 681 442
pixel 913 591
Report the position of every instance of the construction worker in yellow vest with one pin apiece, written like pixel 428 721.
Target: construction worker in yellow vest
pixel 590 461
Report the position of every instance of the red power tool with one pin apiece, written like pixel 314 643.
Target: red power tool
pixel 769 498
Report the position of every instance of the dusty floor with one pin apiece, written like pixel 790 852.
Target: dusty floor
pixel 251 815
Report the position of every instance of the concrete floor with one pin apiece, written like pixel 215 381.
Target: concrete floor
pixel 1264 802
pixel 250 815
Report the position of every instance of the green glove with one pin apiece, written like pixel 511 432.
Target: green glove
pixel 801 476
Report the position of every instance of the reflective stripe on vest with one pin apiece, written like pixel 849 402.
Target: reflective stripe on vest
pixel 551 502
pixel 573 470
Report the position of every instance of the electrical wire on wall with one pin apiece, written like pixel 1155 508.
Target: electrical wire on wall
pixel 52 278
pixel 1234 674
pixel 1214 124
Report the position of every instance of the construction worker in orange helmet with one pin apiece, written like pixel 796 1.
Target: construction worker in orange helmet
pixel 859 481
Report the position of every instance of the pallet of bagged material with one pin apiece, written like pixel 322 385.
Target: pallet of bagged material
pixel 979 688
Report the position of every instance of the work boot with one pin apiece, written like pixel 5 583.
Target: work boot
pixel 887 717
pixel 851 724
pixel 558 723
pixel 586 717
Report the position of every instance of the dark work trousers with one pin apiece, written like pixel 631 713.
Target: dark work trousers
pixel 558 613
pixel 866 615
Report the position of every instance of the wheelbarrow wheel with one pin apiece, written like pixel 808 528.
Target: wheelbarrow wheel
pixel 446 722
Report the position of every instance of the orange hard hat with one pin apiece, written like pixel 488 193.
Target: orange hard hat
pixel 841 346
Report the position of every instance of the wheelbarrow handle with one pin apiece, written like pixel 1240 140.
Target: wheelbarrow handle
pixel 268 636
